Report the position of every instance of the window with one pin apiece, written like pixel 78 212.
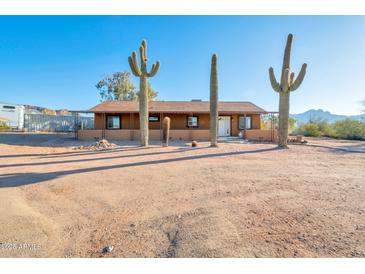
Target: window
pixel 113 122
pixel 154 118
pixel 193 121
pixel 241 122
pixel 9 107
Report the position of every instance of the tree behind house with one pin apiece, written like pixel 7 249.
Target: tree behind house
pixel 152 94
pixel 119 87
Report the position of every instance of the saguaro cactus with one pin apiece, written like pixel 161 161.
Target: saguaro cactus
pixel 214 102
pixel 143 75
pixel 165 131
pixel 286 85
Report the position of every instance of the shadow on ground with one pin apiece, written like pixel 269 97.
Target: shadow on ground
pixel 19 179
pixel 37 139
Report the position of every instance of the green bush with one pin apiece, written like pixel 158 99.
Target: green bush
pixel 346 129
pixel 310 129
pixel 314 128
pixel 350 129
pixel 326 129
pixel 4 125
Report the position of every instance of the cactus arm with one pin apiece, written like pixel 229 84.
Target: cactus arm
pixel 135 64
pixel 300 78
pixel 275 85
pixel 142 52
pixel 154 70
pixel 144 45
pixel 131 64
pixel 286 62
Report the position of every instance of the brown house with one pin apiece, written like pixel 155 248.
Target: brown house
pixel 118 120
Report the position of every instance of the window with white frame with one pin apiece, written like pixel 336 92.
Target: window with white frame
pixel 241 122
pixel 193 121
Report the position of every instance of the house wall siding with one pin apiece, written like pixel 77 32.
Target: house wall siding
pixel 256 121
pixel 178 121
pixel 176 134
pixel 261 135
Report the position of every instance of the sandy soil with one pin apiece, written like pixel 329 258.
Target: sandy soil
pixel 237 200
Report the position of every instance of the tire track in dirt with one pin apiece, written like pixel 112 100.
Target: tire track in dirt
pixel 33 227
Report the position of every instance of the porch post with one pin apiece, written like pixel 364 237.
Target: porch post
pixel 131 126
pixel 104 126
pixel 272 127
pixel 191 129
pixel 244 126
pixel 76 126
pixel 161 118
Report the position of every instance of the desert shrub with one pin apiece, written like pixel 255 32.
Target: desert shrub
pixel 309 129
pixel 268 121
pixel 326 129
pixel 316 128
pixel 350 129
pixel 292 122
pixel 346 129
pixel 4 125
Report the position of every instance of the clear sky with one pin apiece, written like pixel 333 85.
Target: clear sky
pixel 55 61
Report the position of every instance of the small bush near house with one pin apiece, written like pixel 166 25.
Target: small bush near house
pixel 267 122
pixel 346 129
pixel 4 125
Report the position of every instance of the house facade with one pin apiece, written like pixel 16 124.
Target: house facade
pixel 119 120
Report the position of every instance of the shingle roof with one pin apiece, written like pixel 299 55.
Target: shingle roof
pixel 176 107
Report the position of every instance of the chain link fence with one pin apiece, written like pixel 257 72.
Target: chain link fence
pixel 57 123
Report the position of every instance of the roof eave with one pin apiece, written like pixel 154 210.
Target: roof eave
pixel 181 112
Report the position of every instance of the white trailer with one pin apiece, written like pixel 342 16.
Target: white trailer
pixel 12 114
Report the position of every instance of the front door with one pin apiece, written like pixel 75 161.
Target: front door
pixel 224 126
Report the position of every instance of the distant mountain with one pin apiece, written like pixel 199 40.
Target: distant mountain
pixel 320 114
pixel 30 109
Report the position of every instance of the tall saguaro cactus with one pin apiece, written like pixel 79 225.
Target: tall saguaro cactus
pixel 286 85
pixel 214 102
pixel 143 75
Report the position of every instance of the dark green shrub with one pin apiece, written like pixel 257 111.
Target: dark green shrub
pixel 310 129
pixel 350 129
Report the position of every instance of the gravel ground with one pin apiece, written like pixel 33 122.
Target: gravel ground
pixel 237 200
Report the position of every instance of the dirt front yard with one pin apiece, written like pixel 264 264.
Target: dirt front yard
pixel 237 200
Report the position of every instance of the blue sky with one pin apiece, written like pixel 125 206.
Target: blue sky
pixel 55 61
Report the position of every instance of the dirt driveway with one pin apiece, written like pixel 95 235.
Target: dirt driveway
pixel 237 200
